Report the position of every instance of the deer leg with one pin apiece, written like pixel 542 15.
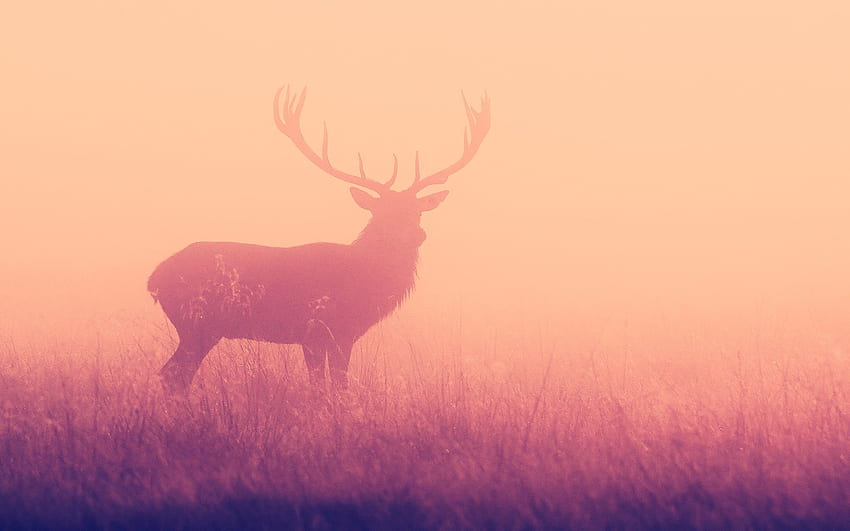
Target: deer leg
pixel 180 369
pixel 314 357
pixel 338 357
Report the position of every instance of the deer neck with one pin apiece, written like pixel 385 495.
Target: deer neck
pixel 391 255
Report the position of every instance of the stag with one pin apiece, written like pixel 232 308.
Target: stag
pixel 322 296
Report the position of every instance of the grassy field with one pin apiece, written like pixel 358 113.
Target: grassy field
pixel 437 431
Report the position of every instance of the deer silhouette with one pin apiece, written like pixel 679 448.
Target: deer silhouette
pixel 322 296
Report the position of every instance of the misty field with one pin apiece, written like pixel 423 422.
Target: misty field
pixel 527 429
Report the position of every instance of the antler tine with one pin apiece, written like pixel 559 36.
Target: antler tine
pixel 360 165
pixel 473 136
pixel 391 181
pixel 290 125
pixel 276 106
pixel 295 105
pixel 470 112
pixel 325 142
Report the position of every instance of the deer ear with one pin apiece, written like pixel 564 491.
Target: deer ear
pixel 363 199
pixel 430 202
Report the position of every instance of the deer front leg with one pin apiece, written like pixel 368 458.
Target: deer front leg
pixel 338 358
pixel 321 344
pixel 314 357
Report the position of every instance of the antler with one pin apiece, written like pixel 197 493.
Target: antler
pixel 479 125
pixel 290 125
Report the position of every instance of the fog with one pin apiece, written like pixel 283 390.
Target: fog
pixel 631 309
pixel 651 160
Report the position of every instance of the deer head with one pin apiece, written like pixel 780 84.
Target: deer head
pixel 395 213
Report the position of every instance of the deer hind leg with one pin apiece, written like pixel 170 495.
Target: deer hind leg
pixel 180 369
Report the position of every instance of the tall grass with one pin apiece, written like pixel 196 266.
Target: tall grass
pixel 434 432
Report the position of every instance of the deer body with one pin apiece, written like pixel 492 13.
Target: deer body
pixel 322 296
pixel 268 293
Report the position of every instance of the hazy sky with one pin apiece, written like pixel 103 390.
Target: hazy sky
pixel 640 151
